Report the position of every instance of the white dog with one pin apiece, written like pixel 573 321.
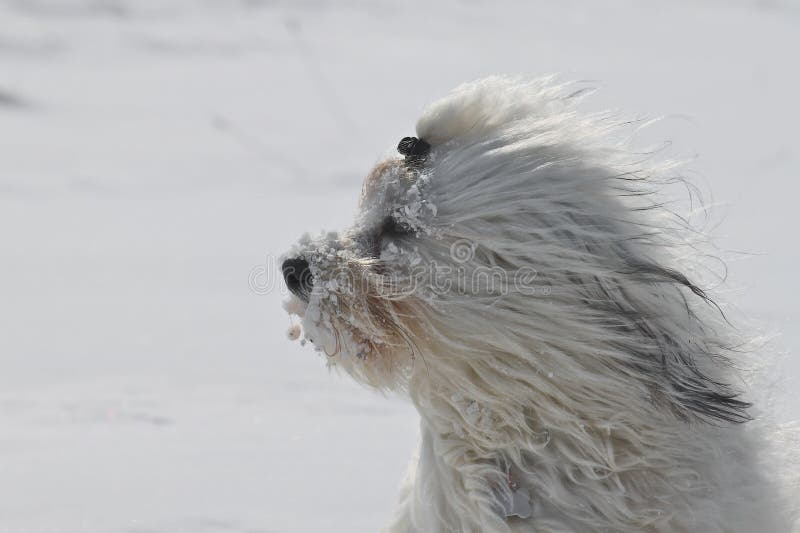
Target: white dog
pixel 520 278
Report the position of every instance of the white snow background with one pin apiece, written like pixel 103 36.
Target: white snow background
pixel 154 153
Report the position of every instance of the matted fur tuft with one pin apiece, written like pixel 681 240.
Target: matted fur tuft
pixel 526 282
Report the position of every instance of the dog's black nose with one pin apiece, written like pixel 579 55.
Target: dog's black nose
pixel 297 275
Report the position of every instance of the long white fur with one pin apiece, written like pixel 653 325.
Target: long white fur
pixel 604 394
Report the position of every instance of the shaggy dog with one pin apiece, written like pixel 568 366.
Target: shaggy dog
pixel 521 279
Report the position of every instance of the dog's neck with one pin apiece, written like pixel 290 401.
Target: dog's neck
pixel 620 472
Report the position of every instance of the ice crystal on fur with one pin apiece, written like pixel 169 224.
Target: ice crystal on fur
pixel 529 287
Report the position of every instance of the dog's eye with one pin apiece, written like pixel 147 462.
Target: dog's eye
pixel 392 229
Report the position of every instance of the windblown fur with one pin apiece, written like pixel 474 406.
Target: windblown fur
pixel 523 280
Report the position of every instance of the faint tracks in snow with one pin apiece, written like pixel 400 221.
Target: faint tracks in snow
pixel 327 93
pixel 12 100
pixel 199 525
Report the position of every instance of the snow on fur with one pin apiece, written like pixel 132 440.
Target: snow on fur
pixel 601 390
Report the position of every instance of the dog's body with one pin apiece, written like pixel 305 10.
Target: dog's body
pixel 525 285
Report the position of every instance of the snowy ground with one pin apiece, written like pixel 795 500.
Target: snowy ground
pixel 153 154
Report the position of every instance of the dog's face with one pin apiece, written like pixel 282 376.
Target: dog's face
pixel 355 291
pixel 509 247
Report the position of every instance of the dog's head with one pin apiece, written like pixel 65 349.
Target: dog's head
pixel 509 246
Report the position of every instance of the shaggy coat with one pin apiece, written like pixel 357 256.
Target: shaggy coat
pixel 524 280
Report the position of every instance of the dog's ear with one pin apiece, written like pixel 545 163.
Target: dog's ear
pixel 681 360
pixel 710 400
pixel 688 386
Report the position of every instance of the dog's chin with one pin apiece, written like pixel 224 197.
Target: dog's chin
pixel 370 357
